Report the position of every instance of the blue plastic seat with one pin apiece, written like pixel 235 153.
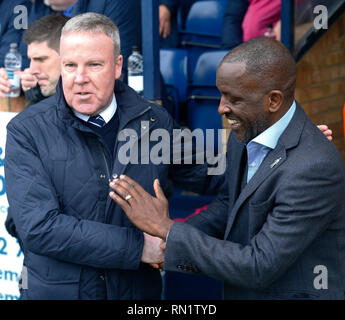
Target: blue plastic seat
pixel 205 19
pixel 206 68
pixel 203 30
pixel 203 95
pixel 173 66
pixel 189 287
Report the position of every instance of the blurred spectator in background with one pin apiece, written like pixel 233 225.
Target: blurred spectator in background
pixel 126 14
pixel 185 5
pixel 247 19
pixel 168 29
pixel 8 32
pixel 260 14
pixel 232 23
pixel 43 41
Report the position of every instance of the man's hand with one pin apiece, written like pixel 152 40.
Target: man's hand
pixel 5 85
pixel 327 132
pixel 153 252
pixel 164 21
pixel 150 214
pixel 28 80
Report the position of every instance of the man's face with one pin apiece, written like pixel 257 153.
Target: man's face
pixel 45 66
pixel 88 71
pixel 243 101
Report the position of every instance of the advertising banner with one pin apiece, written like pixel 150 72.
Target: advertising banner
pixel 11 256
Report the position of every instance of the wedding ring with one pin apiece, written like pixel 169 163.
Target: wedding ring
pixel 128 196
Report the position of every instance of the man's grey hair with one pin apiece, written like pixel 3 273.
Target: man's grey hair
pixel 94 23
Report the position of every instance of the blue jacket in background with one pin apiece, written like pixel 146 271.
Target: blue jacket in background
pixel 173 40
pixel 8 33
pixel 232 23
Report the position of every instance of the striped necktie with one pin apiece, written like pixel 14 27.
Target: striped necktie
pixel 97 121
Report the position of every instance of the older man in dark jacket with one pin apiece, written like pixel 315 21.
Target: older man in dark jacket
pixel 61 154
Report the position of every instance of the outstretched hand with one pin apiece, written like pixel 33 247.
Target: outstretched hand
pixel 148 213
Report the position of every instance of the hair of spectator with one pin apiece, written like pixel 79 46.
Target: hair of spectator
pixel 94 23
pixel 47 28
pixel 268 62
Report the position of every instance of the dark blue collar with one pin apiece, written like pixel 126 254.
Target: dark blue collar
pixel 68 12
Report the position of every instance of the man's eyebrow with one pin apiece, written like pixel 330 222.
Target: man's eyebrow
pixel 40 57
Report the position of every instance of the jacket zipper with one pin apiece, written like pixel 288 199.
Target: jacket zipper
pixel 105 161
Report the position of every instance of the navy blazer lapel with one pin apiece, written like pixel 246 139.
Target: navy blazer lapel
pixel 274 159
pixel 235 155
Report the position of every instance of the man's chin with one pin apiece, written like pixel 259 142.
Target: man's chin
pixel 47 92
pixel 242 137
pixel 86 108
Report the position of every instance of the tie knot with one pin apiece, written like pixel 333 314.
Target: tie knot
pixel 97 121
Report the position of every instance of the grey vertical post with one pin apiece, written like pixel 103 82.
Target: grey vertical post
pixel 150 49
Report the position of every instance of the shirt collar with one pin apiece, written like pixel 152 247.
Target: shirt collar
pixel 106 114
pixel 271 135
pixel 68 11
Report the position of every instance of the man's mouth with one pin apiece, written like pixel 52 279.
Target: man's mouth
pixel 83 95
pixel 234 124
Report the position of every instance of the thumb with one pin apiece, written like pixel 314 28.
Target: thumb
pixel 158 190
pixel 163 245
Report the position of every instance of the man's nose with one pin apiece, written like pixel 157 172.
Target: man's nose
pixel 81 75
pixel 223 108
pixel 34 68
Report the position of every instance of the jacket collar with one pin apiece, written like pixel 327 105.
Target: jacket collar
pixel 274 159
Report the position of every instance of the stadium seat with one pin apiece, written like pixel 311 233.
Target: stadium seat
pixel 203 95
pixel 204 23
pixel 203 30
pixel 181 286
pixel 173 66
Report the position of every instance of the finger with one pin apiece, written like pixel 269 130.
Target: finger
pixel 4 80
pixel 322 127
pixel 4 89
pixel 167 30
pixel 121 202
pixel 163 245
pixel 158 190
pixel 161 27
pixel 28 76
pixel 3 74
pixel 122 186
pixel 328 132
pixel 121 190
pixel 154 265
pixel 135 188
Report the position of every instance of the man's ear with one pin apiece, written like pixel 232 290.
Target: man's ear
pixel 275 100
pixel 118 67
